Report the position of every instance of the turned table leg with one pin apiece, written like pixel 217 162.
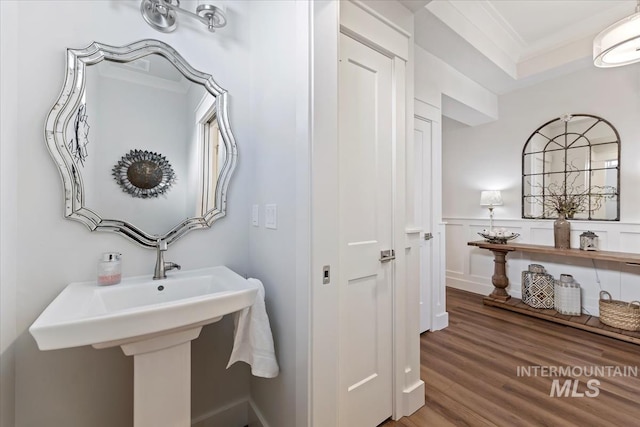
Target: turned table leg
pixel 499 279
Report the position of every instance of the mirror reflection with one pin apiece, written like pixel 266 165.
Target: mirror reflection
pixel 570 166
pixel 147 105
pixel 142 141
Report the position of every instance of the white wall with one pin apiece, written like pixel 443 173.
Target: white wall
pixel 8 210
pixel 613 94
pixel 442 86
pixel 489 157
pixel 86 387
pixel 273 254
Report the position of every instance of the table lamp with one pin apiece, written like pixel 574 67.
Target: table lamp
pixel 490 198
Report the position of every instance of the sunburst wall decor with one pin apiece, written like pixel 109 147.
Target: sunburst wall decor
pixel 144 174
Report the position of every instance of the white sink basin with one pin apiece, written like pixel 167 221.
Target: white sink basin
pixel 140 308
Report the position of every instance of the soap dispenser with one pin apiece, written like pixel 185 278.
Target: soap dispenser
pixel 109 269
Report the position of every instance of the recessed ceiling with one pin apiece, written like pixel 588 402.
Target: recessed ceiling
pixel 508 44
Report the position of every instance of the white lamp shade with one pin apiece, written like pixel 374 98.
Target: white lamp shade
pixel 618 44
pixel 490 198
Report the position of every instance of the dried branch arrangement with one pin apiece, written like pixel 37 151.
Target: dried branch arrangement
pixel 569 198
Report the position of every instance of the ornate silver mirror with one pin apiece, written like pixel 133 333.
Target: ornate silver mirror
pixel 570 166
pixel 142 141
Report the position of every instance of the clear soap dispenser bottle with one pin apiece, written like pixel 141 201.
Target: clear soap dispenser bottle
pixel 109 269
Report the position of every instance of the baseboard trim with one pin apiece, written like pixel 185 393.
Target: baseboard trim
pixel 469 286
pixel 240 413
pixel 440 321
pixel 232 414
pixel 413 398
pixel 256 419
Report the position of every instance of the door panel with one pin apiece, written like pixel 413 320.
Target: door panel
pixel 365 210
pixel 422 137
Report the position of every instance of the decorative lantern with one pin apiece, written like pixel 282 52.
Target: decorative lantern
pixel 589 241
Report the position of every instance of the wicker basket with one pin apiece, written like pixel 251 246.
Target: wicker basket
pixel 619 314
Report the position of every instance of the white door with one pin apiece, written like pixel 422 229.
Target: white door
pixel 365 210
pixel 423 214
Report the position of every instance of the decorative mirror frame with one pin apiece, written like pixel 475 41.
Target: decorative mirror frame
pixel 566 118
pixel 65 110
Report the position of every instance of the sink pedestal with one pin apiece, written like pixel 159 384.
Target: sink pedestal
pixel 162 379
pixel 153 322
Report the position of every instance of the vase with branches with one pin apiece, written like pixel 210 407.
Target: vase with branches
pixel 567 198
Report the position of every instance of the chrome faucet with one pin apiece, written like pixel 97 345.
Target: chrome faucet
pixel 162 267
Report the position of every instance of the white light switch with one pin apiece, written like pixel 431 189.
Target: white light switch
pixel 255 216
pixel 271 216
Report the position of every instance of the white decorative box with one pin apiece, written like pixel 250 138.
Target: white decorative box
pixel 567 296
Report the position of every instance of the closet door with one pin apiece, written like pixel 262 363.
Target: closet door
pixel 423 186
pixel 365 231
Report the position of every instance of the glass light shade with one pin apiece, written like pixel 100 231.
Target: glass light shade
pixel 619 44
pixel 490 198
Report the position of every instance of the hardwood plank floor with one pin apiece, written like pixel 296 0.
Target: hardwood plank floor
pixel 471 368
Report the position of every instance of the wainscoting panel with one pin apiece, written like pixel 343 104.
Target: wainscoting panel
pixel 455 233
pixel 471 268
pixel 480 264
pixel 629 241
pixel 540 235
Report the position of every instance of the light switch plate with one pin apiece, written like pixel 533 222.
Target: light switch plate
pixel 271 216
pixel 255 216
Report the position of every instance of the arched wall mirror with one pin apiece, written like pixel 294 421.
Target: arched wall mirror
pixel 570 166
pixel 142 141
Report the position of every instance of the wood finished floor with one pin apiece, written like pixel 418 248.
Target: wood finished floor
pixel 470 372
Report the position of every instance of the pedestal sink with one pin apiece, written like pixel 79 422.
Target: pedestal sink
pixel 153 321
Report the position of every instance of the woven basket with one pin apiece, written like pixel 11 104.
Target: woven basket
pixel 619 314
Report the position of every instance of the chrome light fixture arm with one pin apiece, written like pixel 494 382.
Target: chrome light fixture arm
pixel 161 15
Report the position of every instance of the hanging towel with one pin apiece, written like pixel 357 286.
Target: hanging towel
pixel 253 342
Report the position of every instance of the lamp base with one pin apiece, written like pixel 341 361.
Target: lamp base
pixel 490 218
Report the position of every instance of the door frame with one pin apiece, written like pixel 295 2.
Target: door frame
pixel 360 22
pixel 439 318
pixel 439 315
pixel 423 193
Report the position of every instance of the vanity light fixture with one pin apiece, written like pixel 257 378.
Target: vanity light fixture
pixel 618 44
pixel 490 198
pixel 162 15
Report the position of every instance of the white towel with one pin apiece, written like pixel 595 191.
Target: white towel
pixel 253 342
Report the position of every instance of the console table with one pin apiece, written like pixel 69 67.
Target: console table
pixel 501 298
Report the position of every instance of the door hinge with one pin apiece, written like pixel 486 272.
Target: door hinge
pixel 428 236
